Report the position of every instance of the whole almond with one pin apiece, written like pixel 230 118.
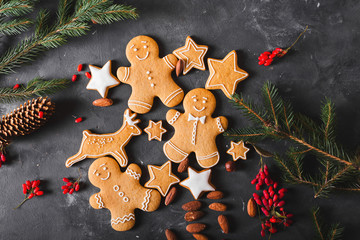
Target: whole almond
pixel 193 215
pixel 191 206
pixel 220 207
pixel 251 208
pixel 183 166
pixel 170 196
pixel 103 102
pixel 199 236
pixel 215 195
pixel 223 223
pixel 195 227
pixel 179 67
pixel 170 235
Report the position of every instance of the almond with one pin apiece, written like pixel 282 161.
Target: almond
pixel 170 235
pixel 191 206
pixel 103 102
pixel 193 215
pixel 195 227
pixel 220 207
pixel 170 196
pixel 199 236
pixel 215 195
pixel 179 67
pixel 183 166
pixel 251 208
pixel 223 223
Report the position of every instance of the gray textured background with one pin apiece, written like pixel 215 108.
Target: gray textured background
pixel 324 63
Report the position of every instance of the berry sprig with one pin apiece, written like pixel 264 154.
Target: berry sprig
pixel 30 189
pixel 270 202
pixel 266 58
pixel 70 186
pixel 2 159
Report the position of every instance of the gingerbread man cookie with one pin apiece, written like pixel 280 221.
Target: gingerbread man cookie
pixel 120 192
pixel 195 130
pixel 149 75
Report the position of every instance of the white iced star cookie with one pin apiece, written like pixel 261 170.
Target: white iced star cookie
pixel 102 79
pixel 198 182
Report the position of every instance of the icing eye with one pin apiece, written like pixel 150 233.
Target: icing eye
pixel 204 101
pixel 135 49
pixel 104 168
pixel 131 127
pixel 145 46
pixel 195 100
pixel 97 174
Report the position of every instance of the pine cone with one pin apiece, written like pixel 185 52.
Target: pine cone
pixel 25 119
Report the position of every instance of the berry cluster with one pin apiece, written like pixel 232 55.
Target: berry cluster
pixel 270 202
pixel 2 159
pixel 266 58
pixel 30 189
pixel 70 187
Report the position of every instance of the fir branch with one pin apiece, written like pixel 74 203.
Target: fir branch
pixel 327 117
pixel 73 25
pixel 15 8
pixel 35 87
pixel 246 134
pixel 15 26
pixel 325 232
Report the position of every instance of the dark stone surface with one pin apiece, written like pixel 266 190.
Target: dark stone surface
pixel 324 63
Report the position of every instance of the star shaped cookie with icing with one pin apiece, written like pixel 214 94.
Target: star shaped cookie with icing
pixel 102 79
pixel 198 182
pixel 161 178
pixel 192 54
pixel 155 130
pixel 225 74
pixel 238 150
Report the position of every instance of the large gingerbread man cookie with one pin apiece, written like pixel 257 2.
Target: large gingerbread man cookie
pixel 149 75
pixel 120 192
pixel 195 130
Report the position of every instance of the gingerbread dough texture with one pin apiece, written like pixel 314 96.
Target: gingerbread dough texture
pixel 149 76
pixel 195 130
pixel 120 192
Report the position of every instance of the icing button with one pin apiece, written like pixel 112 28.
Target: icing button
pixel 149 78
pixel 152 85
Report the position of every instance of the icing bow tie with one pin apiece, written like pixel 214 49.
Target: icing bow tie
pixel 201 119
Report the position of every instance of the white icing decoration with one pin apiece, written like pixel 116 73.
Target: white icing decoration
pixel 177 115
pixel 116 188
pixel 140 59
pixel 147 72
pixel 133 174
pixel 97 174
pixel 140 104
pixel 198 182
pixel 192 118
pixel 199 110
pixel 135 49
pixel 107 177
pixel 144 41
pixel 145 46
pixel 152 85
pixel 220 127
pixel 204 101
pixel 146 200
pixel 104 168
pixel 99 200
pixel 101 79
pixel 121 194
pixel 167 61
pixel 123 219
pixel 215 154
pixel 149 78
pixel 94 171
pixel 212 71
pixel 195 100
pixel 132 46
pixel 172 95
pixel 125 199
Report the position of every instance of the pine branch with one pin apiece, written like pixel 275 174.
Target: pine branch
pixel 246 134
pixel 15 26
pixel 35 87
pixel 325 232
pixel 72 25
pixel 327 117
pixel 15 8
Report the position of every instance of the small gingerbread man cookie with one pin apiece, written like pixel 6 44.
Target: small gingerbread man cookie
pixel 195 130
pixel 120 192
pixel 149 75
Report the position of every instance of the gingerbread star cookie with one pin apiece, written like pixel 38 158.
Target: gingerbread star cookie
pixel 238 150
pixel 225 74
pixel 161 178
pixel 102 79
pixel 192 54
pixel 120 192
pixel 155 130
pixel 198 182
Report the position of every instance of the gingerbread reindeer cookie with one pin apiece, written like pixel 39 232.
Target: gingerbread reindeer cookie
pixel 120 192
pixel 149 75
pixel 195 130
pixel 99 145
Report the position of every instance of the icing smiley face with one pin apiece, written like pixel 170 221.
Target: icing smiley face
pixel 100 172
pixel 199 102
pixel 141 48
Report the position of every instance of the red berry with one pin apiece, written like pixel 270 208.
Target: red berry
pixel 16 86
pixel 275 197
pixel 267 223
pixel 270 202
pixel 71 191
pixel 74 77
pixel 256 196
pixel 36 189
pixel 265 211
pixel 273 220
pixel 69 184
pixel 24 188
pixel 275 185
pixel 77 187
pixel 66 180
pixel 31 196
pixel 281 203
pixel 281 195
pixel 266 53
pixel 267 181
pixel 258 201
pixel 262 233
pixel 272 55
pixel 254 181
pixel 272 230
pixel 283 190
pixel 266 195
pixel 261 62
pixel 65 191
pixel 265 202
pixel 281 209
pixel 271 193
pixel 79 67
pixel 41 114
pixel 64 187
pixel 79 119
pixel 39 193
pixel 258 186
pixel 88 75
pixel 28 183
pixel 3 158
pixel 267 63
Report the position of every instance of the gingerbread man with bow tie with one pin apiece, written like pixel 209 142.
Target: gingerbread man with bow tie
pixel 195 129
